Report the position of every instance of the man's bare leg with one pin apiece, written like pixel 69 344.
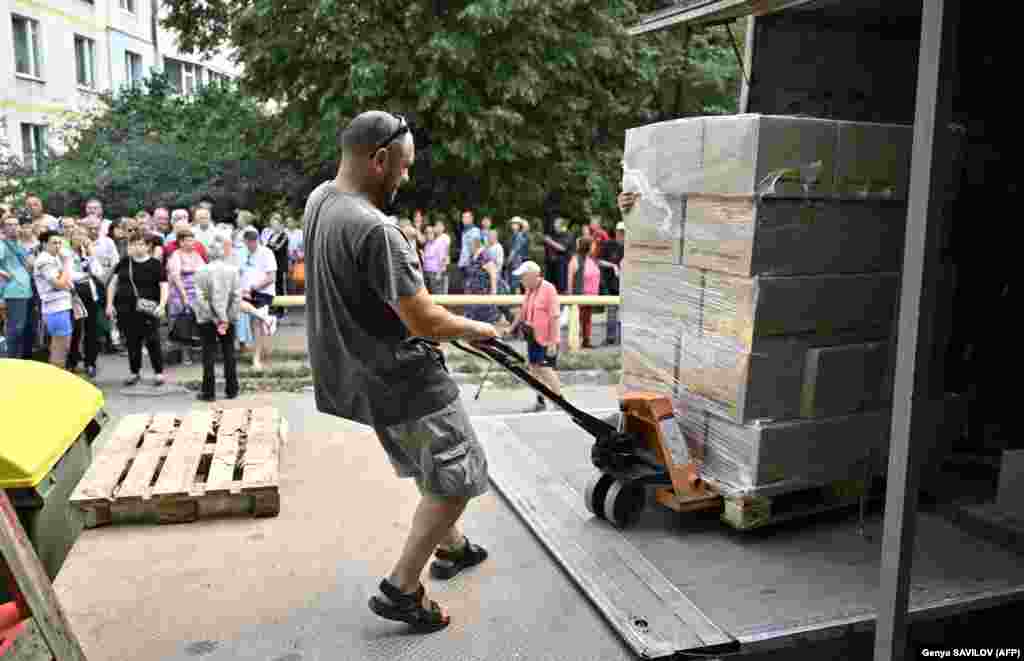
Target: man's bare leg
pixel 432 524
pixel 453 539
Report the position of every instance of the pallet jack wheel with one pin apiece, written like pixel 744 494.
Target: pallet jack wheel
pixel 595 492
pixel 623 502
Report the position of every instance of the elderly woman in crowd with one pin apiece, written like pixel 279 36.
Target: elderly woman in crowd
pixel 481 278
pixel 86 271
pixel 218 288
pixel 434 259
pixel 182 266
pixel 139 276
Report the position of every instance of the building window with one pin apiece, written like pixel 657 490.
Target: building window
pixel 28 54
pixel 184 77
pixel 189 74
pixel 132 68
pixel 172 69
pixel 127 5
pixel 217 78
pixel 85 61
pixel 33 146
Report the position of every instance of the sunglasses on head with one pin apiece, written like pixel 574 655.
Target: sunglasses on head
pixel 403 128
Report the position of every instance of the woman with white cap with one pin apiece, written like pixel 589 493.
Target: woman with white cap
pixel 538 318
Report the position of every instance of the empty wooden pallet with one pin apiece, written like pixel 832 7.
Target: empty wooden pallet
pixel 167 469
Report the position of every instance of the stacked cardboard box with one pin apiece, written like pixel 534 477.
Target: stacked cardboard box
pixel 760 288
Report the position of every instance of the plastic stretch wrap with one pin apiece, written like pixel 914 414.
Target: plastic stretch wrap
pixel 758 406
pixel 760 288
pixel 766 195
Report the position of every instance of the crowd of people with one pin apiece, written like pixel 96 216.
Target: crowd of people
pixel 587 264
pixel 72 285
pixel 80 287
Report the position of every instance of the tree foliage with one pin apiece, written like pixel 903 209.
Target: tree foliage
pixel 518 106
pixel 148 146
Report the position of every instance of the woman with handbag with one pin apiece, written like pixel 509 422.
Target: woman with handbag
pixel 137 298
pixel 86 267
pixel 182 266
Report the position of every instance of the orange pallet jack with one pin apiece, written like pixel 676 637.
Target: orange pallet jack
pixel 33 595
pixel 639 448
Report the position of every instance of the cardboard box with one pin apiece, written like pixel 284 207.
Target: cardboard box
pixel 783 456
pixel 846 379
pixel 802 450
pixel 745 308
pixel 741 385
pixel 873 159
pixel 654 229
pixel 645 371
pixel 752 235
pixel 659 296
pixel 746 154
pixel 664 158
pixel 769 381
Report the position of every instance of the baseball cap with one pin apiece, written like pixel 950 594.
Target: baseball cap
pixel 515 220
pixel 526 267
pixel 621 227
pixel 250 233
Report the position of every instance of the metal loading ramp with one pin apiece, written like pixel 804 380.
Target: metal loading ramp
pixel 679 583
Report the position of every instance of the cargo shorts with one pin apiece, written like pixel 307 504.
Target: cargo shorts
pixel 440 450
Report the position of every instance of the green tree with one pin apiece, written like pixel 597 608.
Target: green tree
pixel 518 106
pixel 149 146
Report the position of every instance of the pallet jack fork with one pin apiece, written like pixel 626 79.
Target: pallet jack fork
pixel 642 447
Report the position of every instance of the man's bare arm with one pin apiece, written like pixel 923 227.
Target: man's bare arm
pixel 424 318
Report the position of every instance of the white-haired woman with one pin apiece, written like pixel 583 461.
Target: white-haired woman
pixel 218 300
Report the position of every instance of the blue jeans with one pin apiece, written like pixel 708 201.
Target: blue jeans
pixel 20 327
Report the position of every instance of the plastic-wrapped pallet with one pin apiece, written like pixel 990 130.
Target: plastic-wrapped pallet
pixel 760 289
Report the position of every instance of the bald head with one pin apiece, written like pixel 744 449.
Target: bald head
pixel 377 152
pixel 370 131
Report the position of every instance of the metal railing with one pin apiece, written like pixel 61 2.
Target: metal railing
pixel 459 300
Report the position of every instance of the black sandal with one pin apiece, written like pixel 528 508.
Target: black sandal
pixel 408 608
pixel 450 563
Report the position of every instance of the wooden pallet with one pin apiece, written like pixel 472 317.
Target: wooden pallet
pixel 162 468
pixel 749 512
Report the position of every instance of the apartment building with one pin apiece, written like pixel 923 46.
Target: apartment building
pixel 56 56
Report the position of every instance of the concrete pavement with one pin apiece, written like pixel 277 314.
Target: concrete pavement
pixel 294 587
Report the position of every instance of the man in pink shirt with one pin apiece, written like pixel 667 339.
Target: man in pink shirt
pixel 539 318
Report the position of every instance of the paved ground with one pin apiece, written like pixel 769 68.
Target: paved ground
pixel 294 588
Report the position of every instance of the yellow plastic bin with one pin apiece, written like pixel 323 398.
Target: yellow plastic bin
pixel 51 418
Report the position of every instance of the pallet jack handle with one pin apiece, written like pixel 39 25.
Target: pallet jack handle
pixel 497 351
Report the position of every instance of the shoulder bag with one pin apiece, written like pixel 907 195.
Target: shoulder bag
pixel 145 306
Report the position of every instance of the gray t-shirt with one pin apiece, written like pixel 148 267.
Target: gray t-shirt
pixel 366 366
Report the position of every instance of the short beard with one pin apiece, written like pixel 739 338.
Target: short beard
pixel 389 203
